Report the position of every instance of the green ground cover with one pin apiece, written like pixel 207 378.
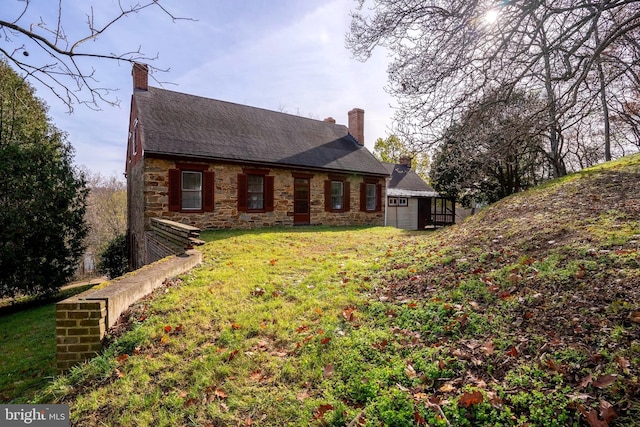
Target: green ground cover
pixel 526 314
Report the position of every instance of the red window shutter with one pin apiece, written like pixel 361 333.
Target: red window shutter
pixel 268 193
pixel 347 196
pixel 363 197
pixel 327 195
pixel 378 197
pixel 242 192
pixel 175 190
pixel 208 189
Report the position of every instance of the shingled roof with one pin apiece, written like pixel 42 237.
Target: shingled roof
pixel 189 126
pixel 406 183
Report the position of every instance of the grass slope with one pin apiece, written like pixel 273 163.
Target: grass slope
pixel 526 314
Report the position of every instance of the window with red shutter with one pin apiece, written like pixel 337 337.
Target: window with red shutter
pixel 269 183
pixel 191 188
pixel 327 195
pixel 255 190
pixel 208 191
pixel 337 194
pixel 347 196
pixel 242 192
pixel 370 195
pixel 174 189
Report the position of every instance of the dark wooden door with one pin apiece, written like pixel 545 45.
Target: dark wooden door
pixel 424 213
pixel 301 202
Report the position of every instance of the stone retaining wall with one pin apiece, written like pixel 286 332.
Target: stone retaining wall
pixel 82 320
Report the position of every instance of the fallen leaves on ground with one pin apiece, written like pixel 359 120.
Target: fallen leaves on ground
pixel 321 411
pixel 470 398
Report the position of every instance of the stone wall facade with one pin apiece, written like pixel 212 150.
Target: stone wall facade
pixel 153 175
pixel 226 215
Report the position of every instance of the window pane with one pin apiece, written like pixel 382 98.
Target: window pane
pixel 191 200
pixel 255 183
pixel 191 190
pixel 371 197
pixel 191 180
pixel 337 192
pixel 255 201
pixel 255 192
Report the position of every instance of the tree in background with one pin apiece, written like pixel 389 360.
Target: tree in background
pixel 392 149
pixel 42 195
pixel 494 151
pixel 580 57
pixel 114 257
pixel 58 54
pixel 106 213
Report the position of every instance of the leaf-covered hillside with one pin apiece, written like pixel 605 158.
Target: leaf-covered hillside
pixel 555 272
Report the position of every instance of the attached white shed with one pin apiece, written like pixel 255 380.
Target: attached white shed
pixel 403 208
pixel 411 204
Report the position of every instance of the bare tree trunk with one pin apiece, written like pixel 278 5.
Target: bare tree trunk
pixel 557 164
pixel 603 100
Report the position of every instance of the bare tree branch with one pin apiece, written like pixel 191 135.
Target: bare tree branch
pixel 444 57
pixel 69 80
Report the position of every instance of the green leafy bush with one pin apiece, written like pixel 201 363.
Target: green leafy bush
pixel 114 258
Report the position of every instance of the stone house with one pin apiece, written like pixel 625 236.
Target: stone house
pixel 411 203
pixel 218 165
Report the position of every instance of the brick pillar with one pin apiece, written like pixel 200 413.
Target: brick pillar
pixel 80 327
pixel 356 124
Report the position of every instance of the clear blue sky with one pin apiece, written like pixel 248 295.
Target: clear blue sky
pixel 283 55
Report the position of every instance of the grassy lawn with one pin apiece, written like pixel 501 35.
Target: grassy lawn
pixel 528 314
pixel 28 346
pixel 255 333
pixel 30 335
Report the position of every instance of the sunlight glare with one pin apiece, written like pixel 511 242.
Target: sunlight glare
pixel 491 16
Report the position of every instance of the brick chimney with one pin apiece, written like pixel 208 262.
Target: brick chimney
pixel 356 124
pixel 140 74
pixel 405 160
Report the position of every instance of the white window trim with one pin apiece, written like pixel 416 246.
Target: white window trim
pixel 371 198
pixel 340 196
pixel 260 206
pixel 189 190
